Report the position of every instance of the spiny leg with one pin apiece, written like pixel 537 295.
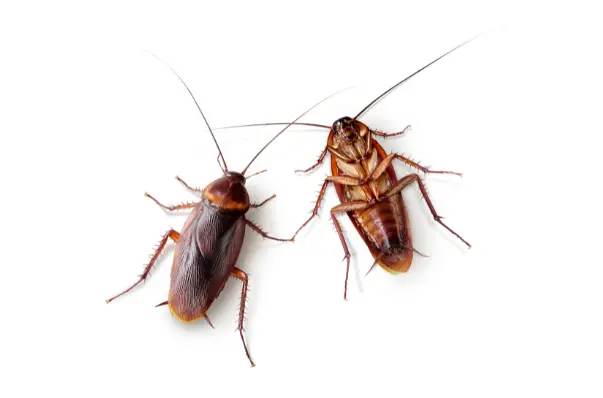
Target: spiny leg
pixel 344 208
pixel 424 169
pixel 241 275
pixel 384 164
pixel 386 135
pixel 171 234
pixel 321 159
pixel 321 195
pixel 256 205
pixel 195 190
pixel 259 230
pixel 180 206
pixel 343 180
pixel 409 179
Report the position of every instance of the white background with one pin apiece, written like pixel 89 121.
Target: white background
pixel 89 122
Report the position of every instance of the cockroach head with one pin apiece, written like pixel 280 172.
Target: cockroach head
pixel 228 193
pixel 347 129
pixel 235 176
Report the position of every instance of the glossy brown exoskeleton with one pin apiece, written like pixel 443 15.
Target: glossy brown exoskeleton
pixel 210 242
pixel 369 189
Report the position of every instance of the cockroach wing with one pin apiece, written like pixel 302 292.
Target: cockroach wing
pixel 206 254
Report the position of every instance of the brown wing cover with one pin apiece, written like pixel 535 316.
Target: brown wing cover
pixel 207 252
pixel 394 261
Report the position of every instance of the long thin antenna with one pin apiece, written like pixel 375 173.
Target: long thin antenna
pixel 366 108
pixel 272 124
pixel 198 107
pixel 288 125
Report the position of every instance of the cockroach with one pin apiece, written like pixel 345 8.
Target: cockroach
pixel 369 190
pixel 208 247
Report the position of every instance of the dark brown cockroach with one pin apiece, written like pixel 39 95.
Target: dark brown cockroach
pixel 208 247
pixel 369 190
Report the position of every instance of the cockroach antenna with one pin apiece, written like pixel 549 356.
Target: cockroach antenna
pixel 198 107
pixel 274 124
pixel 366 108
pixel 379 98
pixel 289 125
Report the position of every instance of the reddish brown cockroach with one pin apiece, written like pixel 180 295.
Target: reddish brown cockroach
pixel 369 190
pixel 210 242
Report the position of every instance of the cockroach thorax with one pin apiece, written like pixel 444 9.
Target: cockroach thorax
pixel 228 193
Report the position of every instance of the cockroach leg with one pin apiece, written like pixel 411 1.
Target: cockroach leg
pixel 316 207
pixel 195 190
pixel 386 135
pixel 345 180
pixel 256 205
pixel 344 208
pixel 381 167
pixel 242 276
pixel 409 179
pixel 338 154
pixel 325 184
pixel 351 206
pixel 171 234
pixel 257 229
pixel 161 304
pixel 321 159
pixel 181 206
pixel 424 169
